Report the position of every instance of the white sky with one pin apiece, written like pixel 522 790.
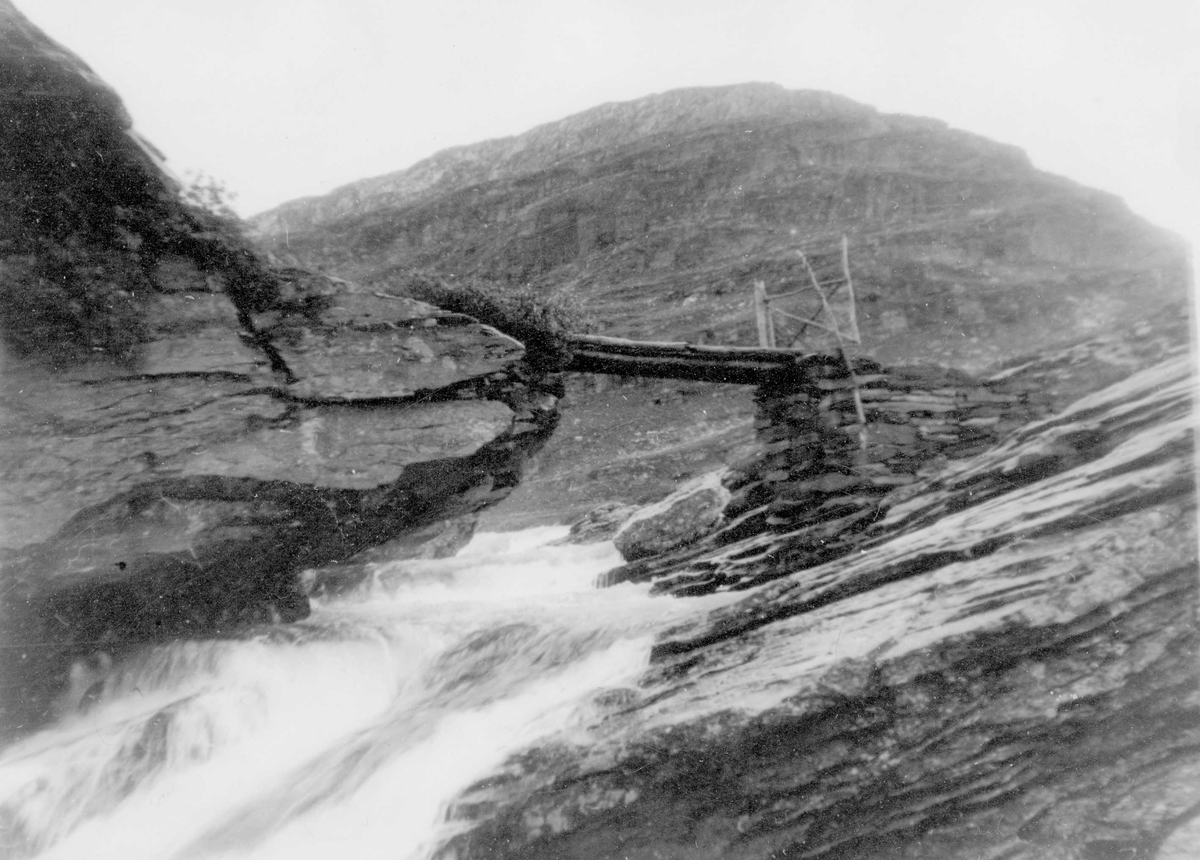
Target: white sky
pixel 287 98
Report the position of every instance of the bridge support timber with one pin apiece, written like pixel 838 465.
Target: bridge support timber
pixel 678 360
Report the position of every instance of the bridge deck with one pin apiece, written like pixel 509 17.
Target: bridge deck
pixel 678 360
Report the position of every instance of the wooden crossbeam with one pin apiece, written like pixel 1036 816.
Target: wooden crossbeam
pixel 678 360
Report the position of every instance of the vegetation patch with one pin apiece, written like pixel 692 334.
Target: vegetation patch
pixel 62 306
pixel 540 320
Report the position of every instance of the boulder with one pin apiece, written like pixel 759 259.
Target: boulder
pixel 186 429
pixel 685 516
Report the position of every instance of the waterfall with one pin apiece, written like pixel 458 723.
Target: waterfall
pixel 349 731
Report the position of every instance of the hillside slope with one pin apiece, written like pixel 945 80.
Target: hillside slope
pixel 658 214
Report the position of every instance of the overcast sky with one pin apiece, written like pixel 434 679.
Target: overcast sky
pixel 288 98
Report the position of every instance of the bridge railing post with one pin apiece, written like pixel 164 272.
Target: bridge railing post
pixel 762 315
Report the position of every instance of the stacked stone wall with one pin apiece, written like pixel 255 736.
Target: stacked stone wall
pixel 820 468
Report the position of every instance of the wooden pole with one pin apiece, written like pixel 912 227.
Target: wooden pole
pixel 850 288
pixel 762 315
pixel 858 404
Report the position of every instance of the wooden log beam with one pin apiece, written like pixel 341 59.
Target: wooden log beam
pixel 678 360
pixel 736 373
pixel 678 347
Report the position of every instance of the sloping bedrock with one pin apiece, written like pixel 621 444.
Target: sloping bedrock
pixel 183 489
pixel 187 429
pixel 810 493
pixel 1015 678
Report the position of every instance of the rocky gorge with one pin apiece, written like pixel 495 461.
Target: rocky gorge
pixel 957 605
pixel 186 428
pixel 981 644
pixel 1003 663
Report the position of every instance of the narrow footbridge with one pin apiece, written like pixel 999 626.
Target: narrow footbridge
pixel 678 360
pixel 828 279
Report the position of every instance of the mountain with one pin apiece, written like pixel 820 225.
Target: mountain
pixel 658 214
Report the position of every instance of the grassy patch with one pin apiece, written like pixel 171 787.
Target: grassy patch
pixel 539 320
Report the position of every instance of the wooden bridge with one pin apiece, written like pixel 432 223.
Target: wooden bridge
pixel 740 365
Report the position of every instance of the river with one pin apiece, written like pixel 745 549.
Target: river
pixel 350 731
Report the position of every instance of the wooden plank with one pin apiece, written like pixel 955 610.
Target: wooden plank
pixel 620 345
pixel 679 360
pixel 676 367
pixel 850 288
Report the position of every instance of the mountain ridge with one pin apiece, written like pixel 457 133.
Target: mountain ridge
pixel 749 99
pixel 657 215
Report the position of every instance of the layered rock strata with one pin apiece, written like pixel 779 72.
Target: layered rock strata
pixel 185 428
pixel 1005 668
pixel 833 445
pixel 691 512
pixel 823 482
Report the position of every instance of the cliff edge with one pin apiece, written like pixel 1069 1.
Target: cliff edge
pixel 186 428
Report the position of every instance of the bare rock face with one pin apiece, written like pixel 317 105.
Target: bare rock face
pixel 820 484
pixel 1007 667
pixel 186 429
pixel 341 342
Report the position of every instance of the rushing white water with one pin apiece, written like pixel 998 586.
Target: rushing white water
pixel 349 731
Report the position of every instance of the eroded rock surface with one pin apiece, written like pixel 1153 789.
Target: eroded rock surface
pixel 1007 668
pixel 340 341
pixel 185 428
pixel 821 484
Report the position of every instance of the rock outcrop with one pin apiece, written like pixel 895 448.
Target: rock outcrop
pixel 1006 666
pixel 821 483
pixel 185 428
pixel 834 447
